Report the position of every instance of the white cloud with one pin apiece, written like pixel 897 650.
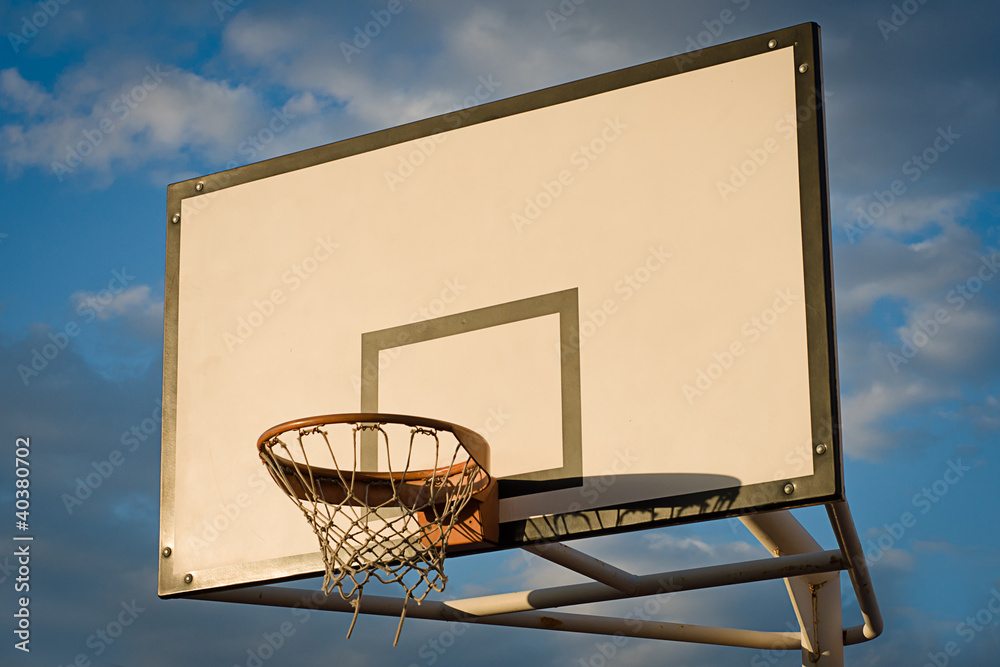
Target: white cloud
pixel 863 412
pixel 293 55
pixel 918 272
pixel 486 37
pixel 953 341
pixel 127 117
pixel 20 95
pixel 898 559
pixel 916 303
pixel 912 371
pixel 305 103
pixel 944 338
pixel 383 86
pixel 194 111
pixel 905 214
pixel 135 306
pixel 985 415
pixel 692 551
pixel 261 38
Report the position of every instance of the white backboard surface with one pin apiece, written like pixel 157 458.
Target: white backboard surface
pixel 621 283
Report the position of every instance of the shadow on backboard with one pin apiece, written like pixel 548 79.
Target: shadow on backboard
pixel 681 502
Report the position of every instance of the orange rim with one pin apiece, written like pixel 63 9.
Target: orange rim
pixel 472 442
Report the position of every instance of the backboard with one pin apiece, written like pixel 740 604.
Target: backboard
pixel 623 283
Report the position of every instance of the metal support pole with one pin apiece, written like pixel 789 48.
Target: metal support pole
pixel 811 577
pixel 815 598
pixel 850 546
pixel 587 565
pixel 652 584
pixel 584 623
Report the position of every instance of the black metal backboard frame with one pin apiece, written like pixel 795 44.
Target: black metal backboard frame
pixel 825 485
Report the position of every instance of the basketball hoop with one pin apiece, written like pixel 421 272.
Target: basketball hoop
pixel 381 509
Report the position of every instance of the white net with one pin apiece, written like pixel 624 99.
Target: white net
pixel 391 523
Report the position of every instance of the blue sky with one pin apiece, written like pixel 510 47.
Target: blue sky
pixel 167 92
